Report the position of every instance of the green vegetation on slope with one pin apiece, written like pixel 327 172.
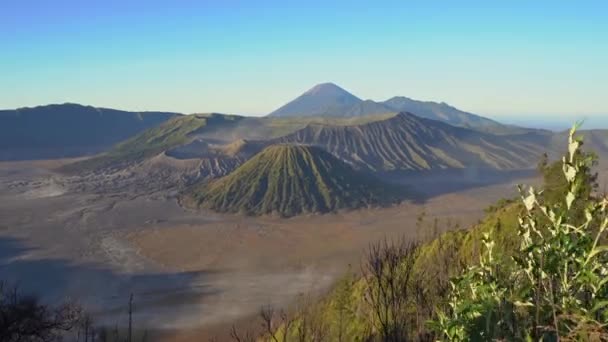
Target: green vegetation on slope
pixel 175 132
pixel 452 289
pixel 290 180
pixel 554 286
pixel 348 315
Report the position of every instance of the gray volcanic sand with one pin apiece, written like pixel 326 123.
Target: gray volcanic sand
pixel 195 271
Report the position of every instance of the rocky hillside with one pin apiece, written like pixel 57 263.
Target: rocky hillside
pixel 288 180
pixel 176 132
pixel 407 142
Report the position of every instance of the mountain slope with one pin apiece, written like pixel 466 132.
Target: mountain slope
pixel 175 132
pixel 367 108
pixel 329 100
pixel 407 142
pixel 448 114
pixel 68 130
pixel 325 99
pixel 597 141
pixel 290 180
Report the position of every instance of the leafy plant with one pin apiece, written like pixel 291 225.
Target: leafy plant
pixel 554 286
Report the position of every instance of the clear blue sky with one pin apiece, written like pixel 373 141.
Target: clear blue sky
pixel 503 59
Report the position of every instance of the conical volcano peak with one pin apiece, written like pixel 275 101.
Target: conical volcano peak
pixel 324 99
pixel 291 179
pixel 327 88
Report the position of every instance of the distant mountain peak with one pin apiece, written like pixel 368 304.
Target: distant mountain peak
pixel 399 98
pixel 330 100
pixel 324 99
pixel 327 88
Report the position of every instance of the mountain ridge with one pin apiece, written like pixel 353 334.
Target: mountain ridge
pixel 408 142
pixel 327 99
pixel 69 129
pixel 442 111
pixel 175 132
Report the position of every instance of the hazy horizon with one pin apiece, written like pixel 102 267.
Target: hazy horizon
pixel 550 121
pixel 510 62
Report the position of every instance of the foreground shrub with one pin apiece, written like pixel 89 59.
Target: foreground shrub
pixel 25 318
pixel 554 286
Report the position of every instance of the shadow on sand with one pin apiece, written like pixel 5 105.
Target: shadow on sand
pixel 425 185
pixel 160 298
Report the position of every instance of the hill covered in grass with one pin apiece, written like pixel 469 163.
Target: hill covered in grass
pixel 67 130
pixel 407 142
pixel 289 180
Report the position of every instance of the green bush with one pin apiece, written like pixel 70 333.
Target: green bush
pixel 554 285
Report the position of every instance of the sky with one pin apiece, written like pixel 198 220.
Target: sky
pixel 509 60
